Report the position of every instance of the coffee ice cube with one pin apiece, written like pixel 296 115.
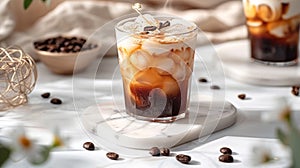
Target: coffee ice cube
pixel 250 10
pixel 158 101
pixel 270 14
pixel 170 86
pixel 155 48
pixel 140 59
pixel 147 80
pixel 180 71
pixel 166 64
pixel 280 29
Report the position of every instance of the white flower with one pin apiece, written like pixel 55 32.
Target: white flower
pixel 58 139
pixel 259 155
pixel 24 147
pixel 281 106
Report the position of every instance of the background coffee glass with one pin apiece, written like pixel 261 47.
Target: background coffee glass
pixel 156 58
pixel 273 29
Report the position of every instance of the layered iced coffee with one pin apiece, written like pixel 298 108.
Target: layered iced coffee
pixel 273 27
pixel 156 57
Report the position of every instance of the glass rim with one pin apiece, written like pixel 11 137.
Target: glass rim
pixel 192 24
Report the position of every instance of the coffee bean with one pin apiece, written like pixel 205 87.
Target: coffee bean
pixel 185 159
pixel 295 90
pixel 165 151
pixel 150 28
pixel 66 43
pixel 89 146
pixel 112 155
pixel 204 80
pixel 226 150
pixel 163 25
pixel 42 47
pixel 52 48
pixel 215 87
pixel 45 95
pixel 166 24
pixel 242 96
pixel 63 49
pixel 226 158
pixel 56 101
pixel 154 151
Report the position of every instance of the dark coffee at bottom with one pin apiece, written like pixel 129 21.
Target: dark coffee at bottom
pixel 274 50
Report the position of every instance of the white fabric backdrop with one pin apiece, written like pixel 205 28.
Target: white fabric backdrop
pixel 221 20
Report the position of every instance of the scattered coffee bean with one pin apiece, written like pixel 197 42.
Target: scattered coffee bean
pixel 112 155
pixel 226 158
pixel 165 151
pixel 56 101
pixel 154 151
pixel 185 159
pixel 295 90
pixel 150 28
pixel 204 80
pixel 242 96
pixel 215 87
pixel 163 25
pixel 226 150
pixel 89 146
pixel 63 44
pixel 45 95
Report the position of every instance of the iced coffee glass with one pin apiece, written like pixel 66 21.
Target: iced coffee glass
pixel 273 28
pixel 156 57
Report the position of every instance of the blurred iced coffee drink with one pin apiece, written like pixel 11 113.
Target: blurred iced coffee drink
pixel 156 57
pixel 273 27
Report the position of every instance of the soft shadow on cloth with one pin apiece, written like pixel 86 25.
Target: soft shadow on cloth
pixel 221 20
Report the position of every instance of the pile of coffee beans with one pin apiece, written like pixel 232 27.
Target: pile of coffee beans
pixel 226 155
pixel 62 44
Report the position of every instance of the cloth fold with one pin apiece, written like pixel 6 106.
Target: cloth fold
pixel 220 20
pixel 7 23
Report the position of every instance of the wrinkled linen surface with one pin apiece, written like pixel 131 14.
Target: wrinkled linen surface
pixel 221 20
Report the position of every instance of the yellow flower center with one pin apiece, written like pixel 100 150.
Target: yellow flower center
pixel 57 141
pixel 25 142
pixel 285 115
pixel 266 158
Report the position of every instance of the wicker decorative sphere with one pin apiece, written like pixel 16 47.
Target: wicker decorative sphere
pixel 18 76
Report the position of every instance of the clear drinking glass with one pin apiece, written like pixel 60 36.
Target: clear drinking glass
pixel 273 28
pixel 156 57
